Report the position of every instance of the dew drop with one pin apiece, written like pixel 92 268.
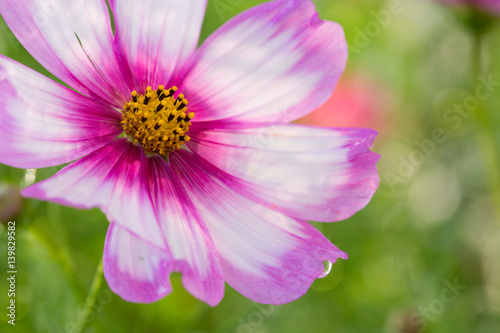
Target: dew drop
pixel 328 269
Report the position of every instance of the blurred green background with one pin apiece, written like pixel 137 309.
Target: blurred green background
pixel 424 254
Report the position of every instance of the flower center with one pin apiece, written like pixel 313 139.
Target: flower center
pixel 157 120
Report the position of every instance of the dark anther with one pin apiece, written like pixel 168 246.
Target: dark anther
pixel 159 107
pixel 144 119
pixel 181 106
pixel 161 97
pixel 171 117
pixel 182 138
pixel 171 93
pixel 157 126
pixel 146 100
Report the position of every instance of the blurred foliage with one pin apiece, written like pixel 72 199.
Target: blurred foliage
pixel 431 225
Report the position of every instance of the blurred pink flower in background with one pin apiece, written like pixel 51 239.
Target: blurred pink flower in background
pixel 358 101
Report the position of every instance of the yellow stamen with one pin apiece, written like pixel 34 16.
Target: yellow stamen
pixel 157 120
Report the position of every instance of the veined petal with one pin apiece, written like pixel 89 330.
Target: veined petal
pixel 73 40
pixel 142 197
pixel 311 173
pixel 113 179
pixel 45 124
pixel 276 61
pixel 266 256
pixel 186 234
pixel 157 36
pixel 135 270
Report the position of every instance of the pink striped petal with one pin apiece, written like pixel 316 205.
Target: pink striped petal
pixel 134 269
pixel 157 36
pixel 45 124
pixel 74 41
pixel 140 195
pixel 277 61
pixel 113 179
pixel 186 235
pixel 310 173
pixel 266 256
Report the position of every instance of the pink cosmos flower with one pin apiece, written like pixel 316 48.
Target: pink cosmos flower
pixel 228 202
pixel 490 6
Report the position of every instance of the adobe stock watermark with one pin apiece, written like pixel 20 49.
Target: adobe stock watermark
pixel 225 8
pixel 256 318
pixel 256 143
pixel 454 117
pixel 104 297
pixel 381 20
pixel 11 272
pixel 44 13
pixel 296 277
pixel 449 294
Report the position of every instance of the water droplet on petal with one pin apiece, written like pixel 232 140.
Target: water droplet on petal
pixel 328 269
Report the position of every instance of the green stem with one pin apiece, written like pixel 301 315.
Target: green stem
pixel 486 133
pixel 83 318
pixel 61 248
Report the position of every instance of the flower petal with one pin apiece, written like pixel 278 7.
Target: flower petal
pixel 276 60
pixel 310 173
pixel 142 196
pixel 266 256
pixel 186 235
pixel 134 269
pixel 45 124
pixel 157 36
pixel 112 178
pixel 73 40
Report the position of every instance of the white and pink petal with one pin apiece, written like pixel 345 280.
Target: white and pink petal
pixel 186 234
pixel 265 255
pixel 74 41
pixel 45 124
pixel 155 37
pixel 150 215
pixel 134 269
pixel 311 173
pixel 113 178
pixel 275 62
